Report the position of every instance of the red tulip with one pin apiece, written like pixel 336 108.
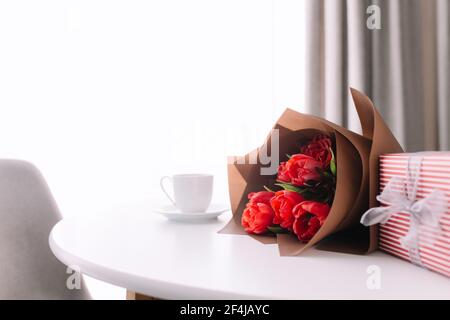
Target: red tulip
pixel 309 217
pixel 283 203
pixel 299 169
pixel 258 214
pixel 320 149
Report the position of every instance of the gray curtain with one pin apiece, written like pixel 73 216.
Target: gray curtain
pixel 404 67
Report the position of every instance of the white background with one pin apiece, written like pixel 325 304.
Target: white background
pixel 107 96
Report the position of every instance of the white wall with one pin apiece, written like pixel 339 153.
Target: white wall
pixel 105 96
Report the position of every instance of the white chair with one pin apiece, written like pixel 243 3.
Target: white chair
pixel 28 269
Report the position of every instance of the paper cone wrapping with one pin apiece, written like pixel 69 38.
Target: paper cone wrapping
pixel 356 184
pixel 434 245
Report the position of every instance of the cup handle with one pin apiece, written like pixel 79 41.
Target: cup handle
pixel 161 184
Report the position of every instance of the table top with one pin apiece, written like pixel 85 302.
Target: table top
pixel 136 248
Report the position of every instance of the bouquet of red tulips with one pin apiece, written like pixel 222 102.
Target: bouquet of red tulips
pixel 308 183
pixel 326 179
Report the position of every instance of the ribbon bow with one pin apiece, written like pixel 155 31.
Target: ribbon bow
pixel 399 195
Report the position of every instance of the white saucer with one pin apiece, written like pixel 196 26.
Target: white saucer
pixel 172 213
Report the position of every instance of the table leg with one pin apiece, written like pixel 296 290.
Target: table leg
pixel 131 295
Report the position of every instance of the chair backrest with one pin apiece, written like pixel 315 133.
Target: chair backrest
pixel 28 269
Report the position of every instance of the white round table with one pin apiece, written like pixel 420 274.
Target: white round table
pixel 137 249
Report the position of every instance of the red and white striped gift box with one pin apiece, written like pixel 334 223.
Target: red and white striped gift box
pixel 434 174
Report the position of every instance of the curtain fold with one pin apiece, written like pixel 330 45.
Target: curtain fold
pixel 404 66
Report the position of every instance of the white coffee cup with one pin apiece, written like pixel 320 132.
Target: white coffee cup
pixel 192 192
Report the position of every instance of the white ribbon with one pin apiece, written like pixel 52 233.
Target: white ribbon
pixel 399 195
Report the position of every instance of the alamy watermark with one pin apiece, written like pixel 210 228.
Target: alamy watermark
pixel 373 281
pixel 73 281
pixel 270 161
pixel 373 22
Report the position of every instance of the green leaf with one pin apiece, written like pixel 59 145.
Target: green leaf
pixel 267 189
pixel 290 187
pixel 333 168
pixel 333 163
pixel 277 229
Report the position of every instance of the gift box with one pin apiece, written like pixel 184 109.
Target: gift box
pixel 415 218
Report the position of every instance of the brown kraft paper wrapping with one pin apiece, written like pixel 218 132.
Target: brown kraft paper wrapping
pixel 356 183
